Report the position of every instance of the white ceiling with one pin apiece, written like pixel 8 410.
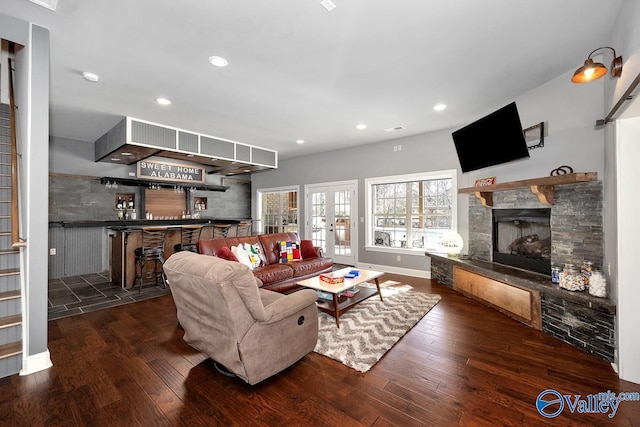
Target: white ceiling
pixel 299 71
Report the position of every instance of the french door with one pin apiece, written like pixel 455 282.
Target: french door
pixel 331 219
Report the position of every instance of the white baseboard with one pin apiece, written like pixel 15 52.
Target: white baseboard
pixel 36 363
pixel 396 270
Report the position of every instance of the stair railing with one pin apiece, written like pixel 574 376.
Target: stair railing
pixel 16 240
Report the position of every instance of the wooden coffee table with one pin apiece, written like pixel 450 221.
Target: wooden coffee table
pixel 342 304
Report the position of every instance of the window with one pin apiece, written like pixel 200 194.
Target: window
pixel 410 212
pixel 278 210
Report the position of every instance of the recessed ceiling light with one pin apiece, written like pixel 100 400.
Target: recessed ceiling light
pixel 247 170
pixel 115 159
pixel 361 126
pixel 440 107
pixel 328 4
pixel 49 4
pixel 163 101
pixel 90 77
pixel 190 155
pixel 126 154
pixel 300 141
pixel 218 61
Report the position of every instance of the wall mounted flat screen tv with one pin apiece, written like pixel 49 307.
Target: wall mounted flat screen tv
pixel 492 140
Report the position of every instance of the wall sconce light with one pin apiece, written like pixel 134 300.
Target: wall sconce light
pixel 591 71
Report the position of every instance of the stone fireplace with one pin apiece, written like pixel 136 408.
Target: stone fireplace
pixel 575 234
pixel 575 222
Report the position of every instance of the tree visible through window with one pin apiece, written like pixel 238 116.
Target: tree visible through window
pixel 411 211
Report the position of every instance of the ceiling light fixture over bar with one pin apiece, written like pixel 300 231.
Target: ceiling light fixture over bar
pixel 144 139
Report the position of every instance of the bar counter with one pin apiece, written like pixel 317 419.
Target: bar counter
pixel 127 237
pixel 132 223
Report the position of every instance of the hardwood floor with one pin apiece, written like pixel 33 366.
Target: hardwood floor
pixel 462 364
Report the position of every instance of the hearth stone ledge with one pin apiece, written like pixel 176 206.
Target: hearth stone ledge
pixel 442 272
pixel 577 318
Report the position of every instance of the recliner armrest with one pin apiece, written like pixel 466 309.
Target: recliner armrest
pixel 288 305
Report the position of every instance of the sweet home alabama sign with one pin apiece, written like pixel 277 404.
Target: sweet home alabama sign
pixel 165 171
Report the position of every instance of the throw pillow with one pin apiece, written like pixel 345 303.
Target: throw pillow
pixel 225 253
pixel 258 249
pixel 289 251
pixel 307 249
pixel 242 256
pixel 253 255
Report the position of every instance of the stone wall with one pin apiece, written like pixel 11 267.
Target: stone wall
pixel 84 198
pixel 590 330
pixel 442 272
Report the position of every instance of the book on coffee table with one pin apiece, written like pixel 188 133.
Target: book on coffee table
pixel 349 293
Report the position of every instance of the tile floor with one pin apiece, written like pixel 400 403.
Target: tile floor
pixel 69 296
pixel 73 295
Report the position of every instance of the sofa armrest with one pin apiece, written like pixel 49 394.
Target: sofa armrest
pixel 288 305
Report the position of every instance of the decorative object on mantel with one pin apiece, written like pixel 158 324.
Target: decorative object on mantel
pixel 541 187
pixel 598 284
pixel 561 170
pixel 452 243
pixel 571 278
pixel 482 182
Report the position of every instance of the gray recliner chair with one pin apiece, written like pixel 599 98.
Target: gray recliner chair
pixel 253 332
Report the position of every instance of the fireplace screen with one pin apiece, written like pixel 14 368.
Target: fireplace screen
pixel 522 238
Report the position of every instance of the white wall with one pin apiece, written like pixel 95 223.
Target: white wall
pixel 569 110
pixel 628 158
pixel 619 234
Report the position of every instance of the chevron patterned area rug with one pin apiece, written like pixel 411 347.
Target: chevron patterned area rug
pixel 368 330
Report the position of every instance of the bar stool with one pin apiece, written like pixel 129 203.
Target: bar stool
pixel 220 230
pixel 243 229
pixel 152 249
pixel 190 235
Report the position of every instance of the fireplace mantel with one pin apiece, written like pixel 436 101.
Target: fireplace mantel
pixel 543 188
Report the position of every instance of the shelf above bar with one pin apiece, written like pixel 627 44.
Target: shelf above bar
pixel 162 184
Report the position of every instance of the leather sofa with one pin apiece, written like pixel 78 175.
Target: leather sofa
pixel 254 333
pixel 275 276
